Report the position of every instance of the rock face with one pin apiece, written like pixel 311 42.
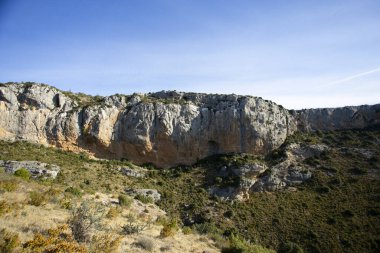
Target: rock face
pixel 348 117
pixel 163 128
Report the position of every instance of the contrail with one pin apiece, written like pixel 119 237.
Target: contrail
pixel 355 76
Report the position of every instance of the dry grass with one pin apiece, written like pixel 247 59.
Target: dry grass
pixel 9 242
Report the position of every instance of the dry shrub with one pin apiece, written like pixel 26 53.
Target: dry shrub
pixel 145 243
pixel 105 243
pixel 8 185
pixel 165 248
pixel 84 218
pixel 8 241
pixel 4 207
pixel 145 218
pixel 124 200
pixel 53 194
pixel 37 198
pixel 65 203
pixel 113 212
pixel 57 240
pixel 169 229
pixel 187 230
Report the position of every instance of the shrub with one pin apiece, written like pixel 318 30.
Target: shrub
pixel 161 220
pixel 165 248
pixel 290 247
pixel 239 245
pixel 229 214
pixel 132 227
pixel 55 241
pixel 22 173
pixel 83 219
pixel 358 171
pixel 323 189
pixel 145 243
pixel 106 243
pixel 4 207
pixel 144 199
pixel 53 194
pixel 347 214
pixel 65 203
pixel 36 198
pixel 113 212
pixel 206 228
pixel 169 229
pixel 124 200
pixel 8 241
pixel 187 230
pixel 9 185
pixel 74 191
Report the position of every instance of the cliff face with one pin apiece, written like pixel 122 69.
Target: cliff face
pixel 349 117
pixel 164 128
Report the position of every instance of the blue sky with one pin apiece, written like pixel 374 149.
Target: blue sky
pixel 300 54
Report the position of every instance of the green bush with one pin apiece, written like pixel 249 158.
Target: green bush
pixel 74 191
pixel 124 200
pixel 144 199
pixel 22 173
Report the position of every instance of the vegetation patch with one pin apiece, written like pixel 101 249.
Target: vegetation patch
pixel 22 173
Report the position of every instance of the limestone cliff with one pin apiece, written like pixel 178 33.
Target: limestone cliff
pixel 164 128
pixel 349 117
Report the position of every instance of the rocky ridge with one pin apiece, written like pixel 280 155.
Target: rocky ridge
pixel 163 128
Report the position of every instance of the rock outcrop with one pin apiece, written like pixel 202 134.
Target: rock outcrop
pixel 163 128
pixel 257 176
pixel 349 117
pixel 36 169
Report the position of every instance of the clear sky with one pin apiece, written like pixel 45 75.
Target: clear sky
pixel 300 54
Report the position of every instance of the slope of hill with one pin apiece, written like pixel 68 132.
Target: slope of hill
pixel 336 210
pixel 234 174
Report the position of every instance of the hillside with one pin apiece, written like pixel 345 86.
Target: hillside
pixel 311 186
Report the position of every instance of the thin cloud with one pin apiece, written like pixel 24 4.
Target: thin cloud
pixel 349 78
